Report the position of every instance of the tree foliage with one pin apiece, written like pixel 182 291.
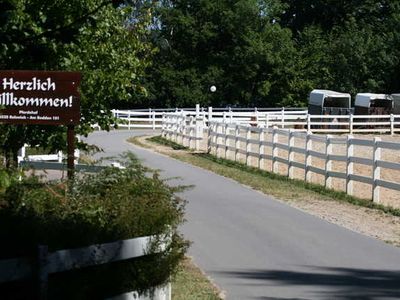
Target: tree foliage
pixel 272 52
pixel 103 39
pixel 230 44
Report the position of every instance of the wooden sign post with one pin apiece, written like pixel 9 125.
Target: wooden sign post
pixel 42 98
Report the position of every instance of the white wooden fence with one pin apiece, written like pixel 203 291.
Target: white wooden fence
pixel 153 118
pixel 295 118
pixel 227 140
pixel 71 259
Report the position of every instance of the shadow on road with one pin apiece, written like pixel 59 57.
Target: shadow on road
pixel 340 283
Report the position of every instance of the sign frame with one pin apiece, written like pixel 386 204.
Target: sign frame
pixel 34 97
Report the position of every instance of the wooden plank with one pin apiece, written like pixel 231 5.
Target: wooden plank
pixel 253 141
pixel 317 138
pixel 388 165
pixel 254 154
pixel 282 160
pixel 334 157
pixel 359 178
pixel 388 184
pixel 64 260
pixel 338 141
pixel 299 134
pixel 336 174
pixel 317 154
pixel 266 143
pixel 39 165
pixel 358 142
pixel 15 269
pixel 298 150
pixel 361 161
pixel 388 145
pixel 297 165
pixel 316 170
pixel 282 146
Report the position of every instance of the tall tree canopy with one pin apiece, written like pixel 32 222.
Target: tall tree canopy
pixel 104 39
pixel 233 45
pixel 272 52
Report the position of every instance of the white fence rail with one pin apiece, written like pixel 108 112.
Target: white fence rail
pixel 229 140
pixel 71 259
pixel 294 118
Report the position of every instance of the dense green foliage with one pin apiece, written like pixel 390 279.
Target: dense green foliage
pixel 102 39
pixel 168 53
pixel 104 207
pixel 272 52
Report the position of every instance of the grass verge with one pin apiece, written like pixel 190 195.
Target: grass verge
pixel 279 186
pixel 190 284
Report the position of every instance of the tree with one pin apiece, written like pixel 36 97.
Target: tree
pixel 104 39
pixel 348 46
pixel 233 45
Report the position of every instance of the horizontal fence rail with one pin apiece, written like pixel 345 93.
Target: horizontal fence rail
pixel 70 259
pixel 290 118
pixel 229 140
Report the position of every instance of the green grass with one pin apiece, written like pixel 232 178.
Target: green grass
pixel 191 284
pixel 269 183
pixel 162 141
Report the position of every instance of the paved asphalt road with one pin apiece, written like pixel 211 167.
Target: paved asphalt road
pixel 254 247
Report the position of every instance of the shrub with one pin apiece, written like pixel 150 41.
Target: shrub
pixel 96 208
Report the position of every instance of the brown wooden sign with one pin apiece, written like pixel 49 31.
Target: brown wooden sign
pixel 39 97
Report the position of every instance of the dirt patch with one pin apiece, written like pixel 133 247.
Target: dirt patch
pixel 370 222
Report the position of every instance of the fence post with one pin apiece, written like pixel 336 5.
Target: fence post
pixel 351 120
pixel 215 138
pixel 149 114
pixel 261 149
pixel 209 132
pixel 162 124
pixel 376 173
pixel 328 162
pixel 199 132
pixel 308 158
pixel 226 141
pixel 274 151
pixel 349 168
pixel 175 128
pixel 192 127
pixel 237 142
pixel 308 124
pixel 217 127
pixel 42 272
pixel 256 116
pixel 21 154
pixel 224 117
pixel 209 117
pixel 391 124
pixel 290 154
pixel 129 120
pixel 248 145
pixel 283 117
pixel 267 120
pixel 154 120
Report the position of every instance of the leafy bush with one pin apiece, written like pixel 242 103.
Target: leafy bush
pixel 96 208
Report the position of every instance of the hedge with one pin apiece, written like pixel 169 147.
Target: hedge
pixel 111 205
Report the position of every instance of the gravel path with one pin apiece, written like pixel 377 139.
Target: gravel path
pixel 255 247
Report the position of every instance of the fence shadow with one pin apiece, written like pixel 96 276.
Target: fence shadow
pixel 340 283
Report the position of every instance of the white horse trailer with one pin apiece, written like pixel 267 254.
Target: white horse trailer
pixel 325 102
pixel 373 104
